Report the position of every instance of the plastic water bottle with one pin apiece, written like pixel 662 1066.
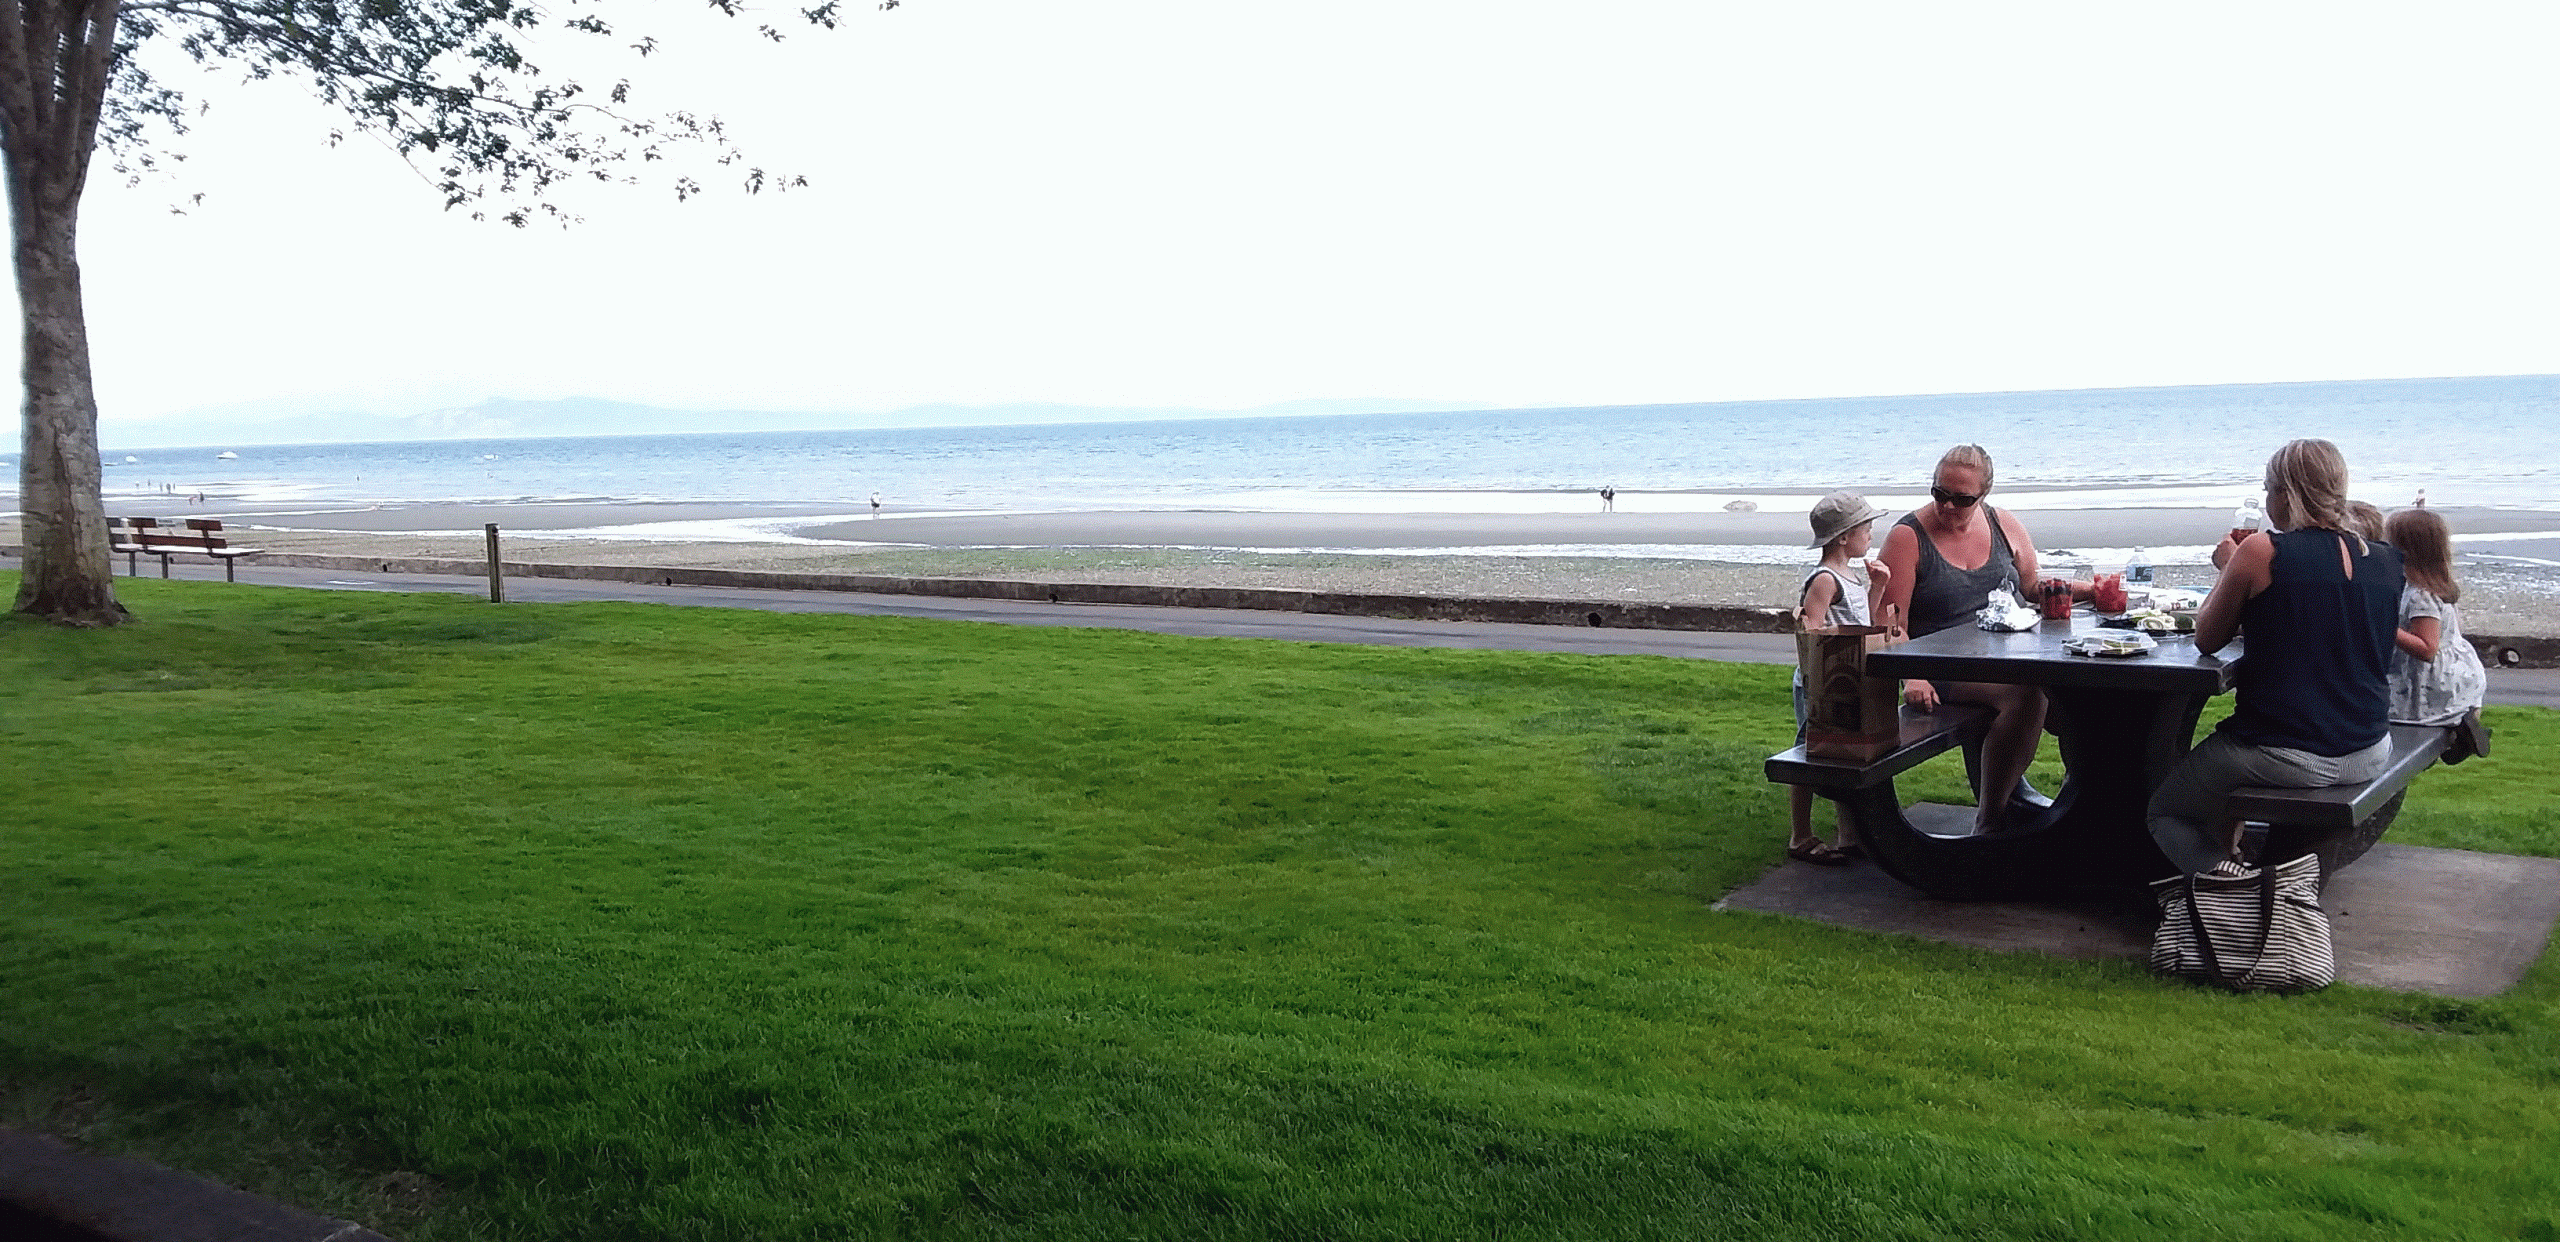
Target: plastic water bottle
pixel 2137 569
pixel 2248 519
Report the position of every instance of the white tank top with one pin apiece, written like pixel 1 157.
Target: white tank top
pixel 1848 604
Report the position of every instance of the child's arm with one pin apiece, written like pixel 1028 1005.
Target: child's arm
pixel 2419 637
pixel 1819 591
pixel 1880 609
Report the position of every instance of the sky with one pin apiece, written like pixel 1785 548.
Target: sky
pixel 1472 202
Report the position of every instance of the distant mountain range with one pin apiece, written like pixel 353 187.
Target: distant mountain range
pixel 504 417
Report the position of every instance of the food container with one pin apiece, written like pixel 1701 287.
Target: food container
pixel 2117 643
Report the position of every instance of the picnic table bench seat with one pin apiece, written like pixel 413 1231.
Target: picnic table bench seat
pixel 1925 735
pixel 2337 822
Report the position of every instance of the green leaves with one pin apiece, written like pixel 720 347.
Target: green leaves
pixel 452 85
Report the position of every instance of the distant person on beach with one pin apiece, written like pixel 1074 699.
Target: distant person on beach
pixel 2436 674
pixel 2320 605
pixel 1845 589
pixel 1609 499
pixel 875 504
pixel 1945 559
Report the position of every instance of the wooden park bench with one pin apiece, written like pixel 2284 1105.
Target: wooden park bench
pixel 122 539
pixel 201 536
pixel 2337 822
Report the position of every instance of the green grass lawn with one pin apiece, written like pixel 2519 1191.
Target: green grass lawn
pixel 620 921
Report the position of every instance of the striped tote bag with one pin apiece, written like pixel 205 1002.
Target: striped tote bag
pixel 2249 929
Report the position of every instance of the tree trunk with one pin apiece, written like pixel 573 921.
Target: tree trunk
pixel 70 575
pixel 54 56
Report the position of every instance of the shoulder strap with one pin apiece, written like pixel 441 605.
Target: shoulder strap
pixel 2266 915
pixel 1999 537
pixel 2266 883
pixel 1928 546
pixel 2204 941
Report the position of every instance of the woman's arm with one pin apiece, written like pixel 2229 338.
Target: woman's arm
pixel 1902 566
pixel 2250 569
pixel 1902 569
pixel 1879 589
pixel 2420 637
pixel 2021 549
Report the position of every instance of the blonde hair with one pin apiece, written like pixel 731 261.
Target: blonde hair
pixel 2365 520
pixel 1973 455
pixel 2426 551
pixel 2307 487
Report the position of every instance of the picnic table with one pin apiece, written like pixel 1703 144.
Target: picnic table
pixel 2122 724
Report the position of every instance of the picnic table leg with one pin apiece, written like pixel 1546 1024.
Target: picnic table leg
pixel 2115 749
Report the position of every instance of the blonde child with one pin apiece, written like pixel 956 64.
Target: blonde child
pixel 2366 520
pixel 2436 676
pixel 1845 589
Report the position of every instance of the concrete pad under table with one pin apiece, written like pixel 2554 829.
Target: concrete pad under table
pixel 2404 918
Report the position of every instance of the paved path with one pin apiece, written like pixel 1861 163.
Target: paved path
pixel 2406 918
pixel 2527 687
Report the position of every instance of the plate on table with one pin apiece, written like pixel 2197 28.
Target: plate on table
pixel 2114 644
pixel 2150 621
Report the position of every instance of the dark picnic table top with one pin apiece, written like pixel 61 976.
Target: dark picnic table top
pixel 2037 657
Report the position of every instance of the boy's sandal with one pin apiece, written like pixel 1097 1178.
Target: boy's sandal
pixel 1818 854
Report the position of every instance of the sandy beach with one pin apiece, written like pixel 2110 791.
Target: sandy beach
pixel 1460 554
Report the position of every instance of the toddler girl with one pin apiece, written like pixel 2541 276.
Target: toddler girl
pixel 2436 677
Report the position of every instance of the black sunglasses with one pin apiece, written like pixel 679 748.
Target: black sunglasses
pixel 1958 499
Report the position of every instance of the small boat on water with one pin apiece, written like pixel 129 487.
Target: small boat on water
pixel 225 455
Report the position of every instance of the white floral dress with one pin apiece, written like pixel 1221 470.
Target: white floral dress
pixel 2437 691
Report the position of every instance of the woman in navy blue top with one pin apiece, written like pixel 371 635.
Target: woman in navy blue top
pixel 2318 603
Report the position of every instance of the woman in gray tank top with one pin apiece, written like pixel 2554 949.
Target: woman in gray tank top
pixel 1946 558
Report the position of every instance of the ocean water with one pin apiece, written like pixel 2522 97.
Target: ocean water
pixel 2483 441
pixel 2473 441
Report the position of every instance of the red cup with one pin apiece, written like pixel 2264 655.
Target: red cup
pixel 2057 600
pixel 2106 594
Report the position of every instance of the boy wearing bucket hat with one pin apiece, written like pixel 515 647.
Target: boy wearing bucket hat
pixel 1845 589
